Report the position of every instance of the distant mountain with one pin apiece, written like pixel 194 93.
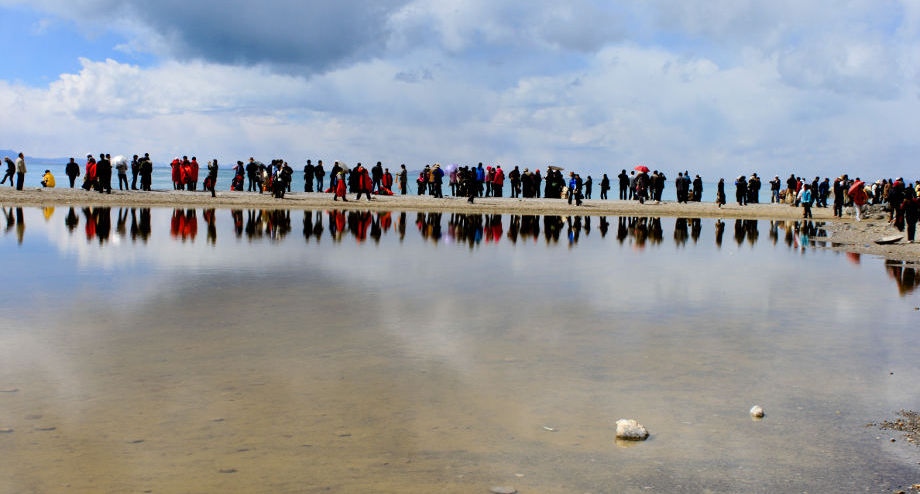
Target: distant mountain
pixel 38 161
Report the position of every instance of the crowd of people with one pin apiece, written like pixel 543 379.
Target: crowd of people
pixel 902 200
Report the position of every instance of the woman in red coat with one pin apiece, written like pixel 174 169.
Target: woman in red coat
pixel 365 185
pixel 193 174
pixel 176 166
pixel 340 188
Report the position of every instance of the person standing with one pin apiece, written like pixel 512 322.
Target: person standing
pixel 624 184
pixel 252 173
pixel 515 177
pixel 104 173
pixel 588 184
pixel 212 177
pixel 720 193
pixel 697 189
pixel 20 171
pixel 605 186
pixel 859 198
pixel 193 174
pixel 73 171
pixel 403 179
pixel 807 198
pixel 537 180
pixel 741 190
pixel 376 176
pixel 308 177
pixel 498 182
pixel 363 182
pixel 339 187
pixel 135 170
pixel 122 168
pixel 838 197
pixel 319 173
pixel 774 189
pixel 146 172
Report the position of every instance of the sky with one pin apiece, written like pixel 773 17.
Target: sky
pixel 721 88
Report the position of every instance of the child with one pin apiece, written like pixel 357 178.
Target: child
pixel 48 179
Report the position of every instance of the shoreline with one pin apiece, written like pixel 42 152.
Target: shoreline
pixel 846 235
pixel 317 200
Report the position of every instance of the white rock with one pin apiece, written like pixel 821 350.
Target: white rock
pixel 631 430
pixel 503 490
pixel 756 412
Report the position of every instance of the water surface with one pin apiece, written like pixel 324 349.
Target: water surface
pixel 197 350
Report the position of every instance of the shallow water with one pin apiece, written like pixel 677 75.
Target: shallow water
pixel 291 351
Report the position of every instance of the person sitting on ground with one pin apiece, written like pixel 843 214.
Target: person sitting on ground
pixel 48 179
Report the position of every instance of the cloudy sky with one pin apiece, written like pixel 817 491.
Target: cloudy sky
pixel 722 87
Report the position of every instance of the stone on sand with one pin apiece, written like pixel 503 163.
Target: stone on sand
pixel 631 430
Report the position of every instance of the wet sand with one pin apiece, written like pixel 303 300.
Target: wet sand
pixel 315 200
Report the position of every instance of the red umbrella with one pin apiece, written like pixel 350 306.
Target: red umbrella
pixel 856 186
pixel 641 168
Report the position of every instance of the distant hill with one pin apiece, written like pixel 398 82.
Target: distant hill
pixel 38 161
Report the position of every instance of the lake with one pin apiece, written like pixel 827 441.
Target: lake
pixel 196 350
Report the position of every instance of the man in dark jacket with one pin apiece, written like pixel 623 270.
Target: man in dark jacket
pixel 319 173
pixel 135 170
pixel 376 176
pixel 146 171
pixel 741 192
pixel 73 171
pixel 308 177
pixel 104 172
pixel 624 184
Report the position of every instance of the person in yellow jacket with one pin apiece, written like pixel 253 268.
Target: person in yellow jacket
pixel 48 179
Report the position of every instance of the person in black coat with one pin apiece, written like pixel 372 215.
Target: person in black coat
pixel 624 184
pixel 73 171
pixel 605 186
pixel 308 177
pixel 741 190
pixel 104 174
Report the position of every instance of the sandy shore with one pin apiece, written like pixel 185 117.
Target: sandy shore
pixel 303 200
pixel 846 234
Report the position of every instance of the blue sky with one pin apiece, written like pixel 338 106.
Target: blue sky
pixel 723 87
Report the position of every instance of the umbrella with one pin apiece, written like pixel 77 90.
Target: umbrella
pixel 554 167
pixel 856 186
pixel 641 168
pixel 343 166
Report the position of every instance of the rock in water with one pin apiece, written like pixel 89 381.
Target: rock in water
pixel 503 490
pixel 631 430
pixel 757 412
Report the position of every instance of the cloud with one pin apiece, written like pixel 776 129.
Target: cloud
pixel 291 35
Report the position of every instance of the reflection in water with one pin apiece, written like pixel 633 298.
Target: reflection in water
pixel 469 229
pixel 904 274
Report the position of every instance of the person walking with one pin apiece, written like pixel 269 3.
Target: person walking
pixel 588 184
pixel 10 171
pixel 72 170
pixel 339 188
pixel 20 171
pixel 363 183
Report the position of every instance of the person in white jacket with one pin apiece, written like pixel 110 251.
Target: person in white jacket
pixel 20 171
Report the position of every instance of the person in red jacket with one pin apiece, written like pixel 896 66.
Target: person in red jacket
pixel 365 185
pixel 193 174
pixel 176 166
pixel 498 182
pixel 340 188
pixel 89 178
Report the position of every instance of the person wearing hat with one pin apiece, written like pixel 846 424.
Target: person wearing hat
pixel 48 179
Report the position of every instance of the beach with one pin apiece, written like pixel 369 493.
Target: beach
pixel 845 233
